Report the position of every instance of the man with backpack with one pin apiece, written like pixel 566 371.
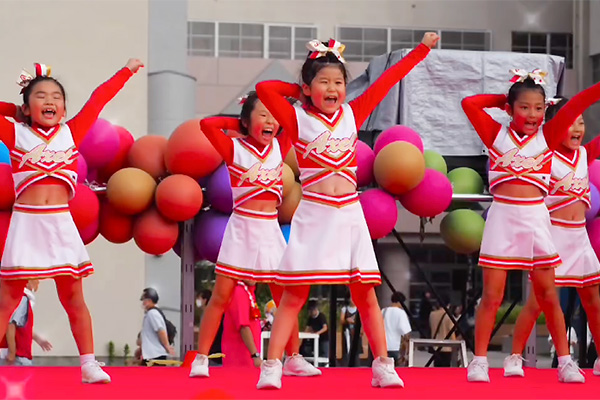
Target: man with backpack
pixel 158 333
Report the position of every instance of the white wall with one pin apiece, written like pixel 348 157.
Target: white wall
pixel 85 42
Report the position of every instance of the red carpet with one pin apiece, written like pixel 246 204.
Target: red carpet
pixel 336 383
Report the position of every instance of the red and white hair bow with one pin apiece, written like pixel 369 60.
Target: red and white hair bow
pixel 242 99
pixel 26 77
pixel 318 49
pixel 552 101
pixel 519 75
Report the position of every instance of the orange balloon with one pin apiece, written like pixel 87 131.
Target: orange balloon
pixel 153 233
pixel 179 197
pixel 130 190
pixel 148 154
pixel 290 204
pixel 288 179
pixel 399 167
pixel 190 153
pixel 115 226
pixel 292 162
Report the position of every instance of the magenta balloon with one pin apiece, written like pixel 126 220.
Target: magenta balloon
pixel 218 190
pixel 82 169
pixel 365 157
pixel 593 228
pixel 208 233
pixel 594 173
pixel 100 145
pixel 90 233
pixel 592 212
pixel 395 134
pixel 431 197
pixel 381 212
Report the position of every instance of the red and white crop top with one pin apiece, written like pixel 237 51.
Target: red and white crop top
pixel 570 182
pixel 38 154
pixel 326 146
pixel 524 158
pixel 255 171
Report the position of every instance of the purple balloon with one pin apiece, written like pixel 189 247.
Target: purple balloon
pixel 218 190
pixel 365 157
pixel 82 169
pixel 100 144
pixel 208 233
pixel 593 211
pixel 484 214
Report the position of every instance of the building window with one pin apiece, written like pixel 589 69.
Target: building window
pixel 596 68
pixel 226 39
pixel 362 44
pixel 557 44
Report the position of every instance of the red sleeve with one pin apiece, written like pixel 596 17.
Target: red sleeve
pixel 239 308
pixel 486 127
pixel 213 129
pixel 593 149
pixel 364 104
pixel 557 128
pixel 285 144
pixel 273 95
pixel 7 133
pixel 8 109
pixel 82 122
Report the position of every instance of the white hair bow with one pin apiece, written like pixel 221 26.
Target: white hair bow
pixel 26 77
pixel 552 101
pixel 519 75
pixel 318 49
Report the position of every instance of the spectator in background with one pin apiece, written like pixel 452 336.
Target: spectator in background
pixel 155 342
pixel 348 323
pixel 440 325
pixel 270 309
pixel 425 309
pixel 397 326
pixel 317 323
pixel 241 328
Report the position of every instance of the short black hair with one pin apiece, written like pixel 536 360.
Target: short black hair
pixel 518 88
pixel 150 294
pixel 398 297
pixel 312 304
pixel 312 66
pixel 552 110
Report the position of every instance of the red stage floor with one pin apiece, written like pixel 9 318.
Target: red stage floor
pixel 336 383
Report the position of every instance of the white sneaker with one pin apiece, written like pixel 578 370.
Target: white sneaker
pixel 597 366
pixel 296 365
pixel 270 375
pixel 513 365
pixel 199 366
pixel 570 373
pixel 91 372
pixel 384 373
pixel 477 371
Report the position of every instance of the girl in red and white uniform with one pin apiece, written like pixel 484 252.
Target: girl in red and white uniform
pixel 329 240
pixel 568 201
pixel 42 240
pixel 517 231
pixel 253 243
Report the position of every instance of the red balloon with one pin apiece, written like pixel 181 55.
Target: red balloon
pixel 114 226
pixel 85 207
pixel 125 142
pixel 90 233
pixel 148 154
pixel 4 224
pixel 153 233
pixel 190 153
pixel 7 187
pixel 179 197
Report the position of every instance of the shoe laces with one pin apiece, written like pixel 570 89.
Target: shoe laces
pixel 95 364
pixel 513 359
pixel 572 367
pixel 479 365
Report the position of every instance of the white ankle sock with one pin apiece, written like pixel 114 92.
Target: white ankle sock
pixel 480 358
pixel 562 360
pixel 86 358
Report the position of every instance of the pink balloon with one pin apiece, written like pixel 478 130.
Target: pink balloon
pixel 431 197
pixel 593 228
pixel 594 173
pixel 82 169
pixel 395 134
pixel 365 157
pixel 380 212
pixel 100 145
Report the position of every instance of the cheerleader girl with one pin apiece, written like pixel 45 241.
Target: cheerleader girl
pixel 517 231
pixel 253 243
pixel 42 240
pixel 568 200
pixel 329 240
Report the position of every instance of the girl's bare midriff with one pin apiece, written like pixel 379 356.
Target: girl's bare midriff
pixel 510 189
pixel 335 185
pixel 260 205
pixel 572 212
pixel 44 194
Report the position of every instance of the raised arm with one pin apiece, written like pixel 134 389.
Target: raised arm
pixel 7 133
pixel 83 121
pixel 364 104
pixel 213 129
pixel 593 149
pixel 8 110
pixel 273 95
pixel 486 127
pixel 557 128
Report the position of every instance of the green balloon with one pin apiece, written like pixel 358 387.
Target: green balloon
pixel 462 231
pixel 464 181
pixel 434 160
